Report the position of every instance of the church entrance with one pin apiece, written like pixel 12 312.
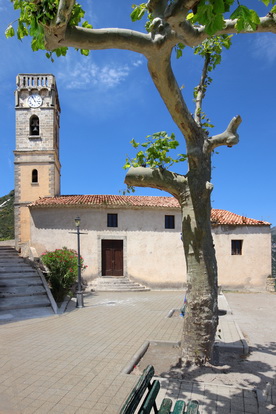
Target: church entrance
pixel 112 258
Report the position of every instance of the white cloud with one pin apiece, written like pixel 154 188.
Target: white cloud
pixel 137 63
pixel 265 47
pixel 82 76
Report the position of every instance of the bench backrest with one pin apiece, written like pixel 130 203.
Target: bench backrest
pixel 144 384
pixel 139 390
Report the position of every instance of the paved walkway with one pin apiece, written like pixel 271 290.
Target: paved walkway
pixel 74 362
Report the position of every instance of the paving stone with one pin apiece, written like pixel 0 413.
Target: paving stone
pixel 73 363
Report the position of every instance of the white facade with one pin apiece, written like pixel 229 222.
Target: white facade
pixel 152 254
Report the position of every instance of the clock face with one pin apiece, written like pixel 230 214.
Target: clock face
pixel 34 101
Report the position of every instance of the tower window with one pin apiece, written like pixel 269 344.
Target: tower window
pixel 34 176
pixel 236 247
pixel 34 125
pixel 169 222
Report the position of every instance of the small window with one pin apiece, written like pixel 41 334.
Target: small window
pixel 169 222
pixel 236 247
pixel 34 176
pixel 112 220
pixel 34 125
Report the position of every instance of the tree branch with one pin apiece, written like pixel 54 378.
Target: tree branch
pixel 97 39
pixel 201 89
pixel 229 137
pixel 65 8
pixel 194 35
pixel 162 75
pixel 159 178
pixel 157 7
pixel 177 11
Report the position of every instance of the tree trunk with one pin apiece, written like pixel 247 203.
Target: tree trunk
pixel 200 321
pixel 193 193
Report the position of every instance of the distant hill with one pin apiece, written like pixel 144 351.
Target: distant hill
pixel 6 217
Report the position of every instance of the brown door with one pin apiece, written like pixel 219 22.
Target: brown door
pixel 112 257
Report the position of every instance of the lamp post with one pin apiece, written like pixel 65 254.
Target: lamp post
pixel 79 303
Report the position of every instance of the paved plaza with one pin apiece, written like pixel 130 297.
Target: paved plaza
pixel 76 362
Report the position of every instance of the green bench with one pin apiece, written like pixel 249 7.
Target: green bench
pixel 145 385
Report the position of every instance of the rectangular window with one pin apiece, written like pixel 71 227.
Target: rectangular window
pixel 236 247
pixel 112 220
pixel 169 222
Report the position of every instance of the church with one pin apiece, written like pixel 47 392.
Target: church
pixel 135 237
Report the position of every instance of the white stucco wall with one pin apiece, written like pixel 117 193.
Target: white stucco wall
pixel 253 266
pixel 152 254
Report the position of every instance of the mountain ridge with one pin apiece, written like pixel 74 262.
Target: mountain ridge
pixel 7 216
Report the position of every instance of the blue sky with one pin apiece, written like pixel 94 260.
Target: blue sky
pixel 108 98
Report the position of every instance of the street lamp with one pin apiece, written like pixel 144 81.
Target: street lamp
pixel 79 303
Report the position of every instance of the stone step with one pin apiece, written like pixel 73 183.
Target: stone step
pixel 18 275
pixel 121 290
pixel 115 284
pixel 118 289
pixel 24 302
pixel 11 260
pixel 22 281
pixel 21 287
pixel 16 291
pixel 13 266
pixel 8 254
pixel 113 280
pixel 8 249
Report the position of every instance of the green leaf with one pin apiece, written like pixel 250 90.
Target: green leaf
pixel 138 12
pixel 190 16
pixel 155 151
pixel 85 52
pixel 9 32
pixel 87 25
pixel 218 6
pixel 134 143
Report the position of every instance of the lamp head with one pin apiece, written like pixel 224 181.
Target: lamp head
pixel 77 221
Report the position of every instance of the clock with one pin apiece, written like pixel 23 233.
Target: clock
pixel 34 101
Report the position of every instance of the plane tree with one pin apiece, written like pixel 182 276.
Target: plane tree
pixel 205 25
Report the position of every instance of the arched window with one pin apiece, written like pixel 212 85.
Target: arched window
pixel 34 125
pixel 34 176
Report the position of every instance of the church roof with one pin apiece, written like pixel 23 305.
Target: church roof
pixel 218 217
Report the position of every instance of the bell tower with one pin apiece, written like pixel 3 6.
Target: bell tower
pixel 37 165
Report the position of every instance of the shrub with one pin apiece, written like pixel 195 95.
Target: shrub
pixel 63 271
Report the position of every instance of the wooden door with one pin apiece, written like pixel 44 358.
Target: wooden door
pixel 112 257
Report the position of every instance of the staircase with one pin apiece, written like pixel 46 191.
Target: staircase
pixel 115 284
pixel 21 287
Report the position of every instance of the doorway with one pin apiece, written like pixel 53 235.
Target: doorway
pixel 112 258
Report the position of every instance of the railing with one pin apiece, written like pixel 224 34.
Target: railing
pixel 30 81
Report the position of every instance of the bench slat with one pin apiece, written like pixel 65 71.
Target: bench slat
pixel 179 407
pixel 138 391
pixel 192 407
pixel 149 400
pixel 165 407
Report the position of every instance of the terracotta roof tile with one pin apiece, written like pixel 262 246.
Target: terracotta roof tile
pixel 218 217
pixel 226 217
pixel 107 200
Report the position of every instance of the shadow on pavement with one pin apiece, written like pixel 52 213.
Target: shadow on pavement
pixel 237 384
